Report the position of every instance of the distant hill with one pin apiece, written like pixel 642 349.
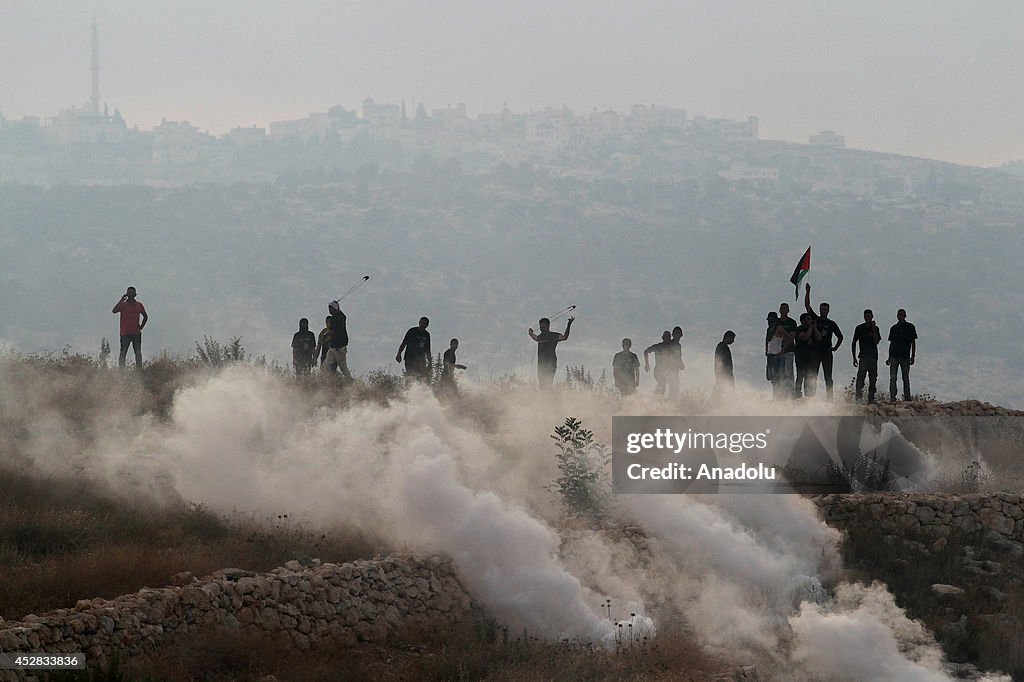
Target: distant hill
pixel 638 238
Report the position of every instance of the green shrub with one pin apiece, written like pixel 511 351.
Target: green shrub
pixel 583 482
pixel 213 353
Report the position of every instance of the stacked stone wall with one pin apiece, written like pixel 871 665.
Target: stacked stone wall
pixel 301 605
pixel 929 517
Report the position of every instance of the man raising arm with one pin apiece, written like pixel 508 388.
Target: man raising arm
pixel 130 327
pixel 831 338
pixel 547 340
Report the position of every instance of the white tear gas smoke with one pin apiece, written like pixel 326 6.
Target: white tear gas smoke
pixel 393 470
pixel 744 573
pixel 863 635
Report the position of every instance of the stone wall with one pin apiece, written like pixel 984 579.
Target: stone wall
pixel 346 603
pixel 930 517
pixel 931 408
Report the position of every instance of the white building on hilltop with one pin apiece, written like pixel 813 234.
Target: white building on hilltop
pixel 176 143
pixel 313 127
pixel 741 171
pixel 244 137
pixel 828 138
pixel 726 128
pixel 79 125
pixel 643 118
pixel 550 128
pixel 382 115
pixel 453 119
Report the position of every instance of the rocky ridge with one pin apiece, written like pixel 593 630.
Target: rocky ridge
pixel 931 408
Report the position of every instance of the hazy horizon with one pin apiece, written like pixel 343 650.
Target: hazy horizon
pixel 931 79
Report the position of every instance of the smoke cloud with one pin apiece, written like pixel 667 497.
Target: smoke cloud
pixel 756 578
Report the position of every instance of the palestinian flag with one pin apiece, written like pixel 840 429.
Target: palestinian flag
pixel 802 268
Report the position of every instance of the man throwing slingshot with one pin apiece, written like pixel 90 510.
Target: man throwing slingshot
pixel 547 361
pixel 337 342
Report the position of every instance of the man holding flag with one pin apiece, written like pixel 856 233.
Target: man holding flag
pixel 831 337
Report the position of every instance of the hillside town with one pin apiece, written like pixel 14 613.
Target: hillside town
pixel 95 144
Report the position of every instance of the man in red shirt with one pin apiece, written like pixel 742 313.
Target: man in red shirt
pixel 131 327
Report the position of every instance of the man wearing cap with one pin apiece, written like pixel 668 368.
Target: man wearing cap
pixel 337 343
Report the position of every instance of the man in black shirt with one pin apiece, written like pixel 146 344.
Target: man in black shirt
pixel 868 336
pixel 448 367
pixel 547 361
pixel 902 352
pixel 416 345
pixel 724 379
pixel 666 365
pixel 323 345
pixel 337 343
pixel 303 348
pixel 808 341
pixel 828 330
pixel 677 339
pixel 626 369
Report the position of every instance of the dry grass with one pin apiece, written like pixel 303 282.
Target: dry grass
pixel 464 653
pixel 61 541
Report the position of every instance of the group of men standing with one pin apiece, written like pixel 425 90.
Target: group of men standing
pixel 809 346
pixel 331 347
pixel 668 363
pixel 795 352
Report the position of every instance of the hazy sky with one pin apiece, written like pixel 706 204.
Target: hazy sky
pixel 933 78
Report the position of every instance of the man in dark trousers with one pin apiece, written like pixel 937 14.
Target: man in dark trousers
pixel 831 339
pixel 724 379
pixel 547 340
pixel 626 369
pixel 337 342
pixel 323 344
pixel 666 366
pixel 131 326
pixel 677 339
pixel 448 367
pixel 416 345
pixel 788 351
pixel 868 336
pixel 303 349
pixel 808 341
pixel 902 352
